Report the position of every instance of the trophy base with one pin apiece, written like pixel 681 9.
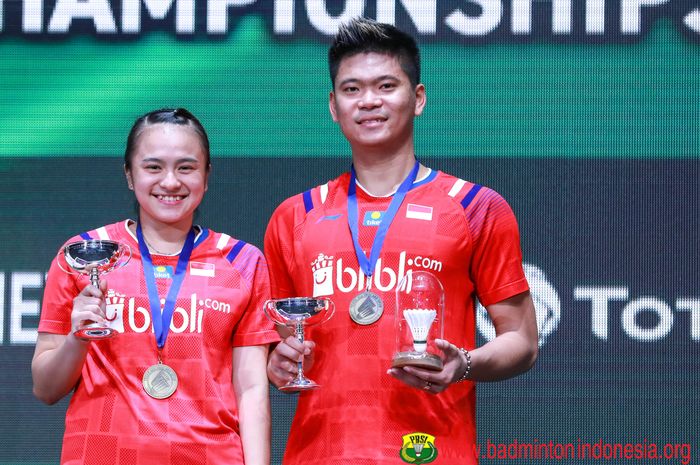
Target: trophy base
pixel 94 332
pixel 299 385
pixel 415 359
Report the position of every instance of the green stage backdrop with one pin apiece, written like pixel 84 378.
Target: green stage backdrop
pixel 584 114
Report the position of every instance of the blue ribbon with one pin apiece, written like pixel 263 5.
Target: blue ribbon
pixel 161 319
pixel 368 264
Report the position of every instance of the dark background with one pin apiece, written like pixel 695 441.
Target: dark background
pixel 584 222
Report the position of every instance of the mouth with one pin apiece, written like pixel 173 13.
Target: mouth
pixel 371 121
pixel 170 198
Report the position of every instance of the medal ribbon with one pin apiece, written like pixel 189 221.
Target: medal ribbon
pixel 368 264
pixel 161 319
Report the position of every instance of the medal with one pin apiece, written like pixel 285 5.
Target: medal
pixel 160 381
pixel 368 307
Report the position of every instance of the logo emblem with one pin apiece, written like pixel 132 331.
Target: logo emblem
pixel 163 272
pixel 418 448
pixel 322 269
pixel 372 218
pixel 114 310
pixel 329 218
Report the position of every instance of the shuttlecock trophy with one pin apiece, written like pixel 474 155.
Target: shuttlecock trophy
pixel 420 302
pixel 296 313
pixel 93 257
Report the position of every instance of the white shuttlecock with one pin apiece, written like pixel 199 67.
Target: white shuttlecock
pixel 419 321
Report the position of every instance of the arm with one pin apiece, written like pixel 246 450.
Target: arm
pixel 282 361
pixel 58 359
pixel 251 389
pixel 513 351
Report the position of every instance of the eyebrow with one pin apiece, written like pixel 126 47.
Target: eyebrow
pixel 179 160
pixel 385 77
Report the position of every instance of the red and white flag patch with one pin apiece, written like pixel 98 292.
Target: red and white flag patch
pixel 202 269
pixel 419 212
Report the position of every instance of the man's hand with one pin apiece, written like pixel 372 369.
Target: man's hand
pixel 283 362
pixel 454 366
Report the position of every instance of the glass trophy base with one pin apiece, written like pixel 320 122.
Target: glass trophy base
pixel 94 332
pixel 299 385
pixel 417 359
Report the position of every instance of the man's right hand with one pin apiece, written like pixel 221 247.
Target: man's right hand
pixel 282 364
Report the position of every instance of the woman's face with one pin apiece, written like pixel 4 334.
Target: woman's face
pixel 168 174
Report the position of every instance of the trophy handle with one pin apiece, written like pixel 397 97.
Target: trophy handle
pixel 271 313
pixel 60 255
pixel 330 311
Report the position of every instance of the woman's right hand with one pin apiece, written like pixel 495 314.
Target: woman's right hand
pixel 89 307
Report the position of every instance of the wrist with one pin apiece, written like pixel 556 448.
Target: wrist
pixel 466 376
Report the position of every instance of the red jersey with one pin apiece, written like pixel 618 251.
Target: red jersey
pixel 466 235
pixel 111 419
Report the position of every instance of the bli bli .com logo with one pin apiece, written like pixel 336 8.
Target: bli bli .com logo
pixel 331 275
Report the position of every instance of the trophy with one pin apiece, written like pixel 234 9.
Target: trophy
pixel 94 257
pixel 420 302
pixel 296 313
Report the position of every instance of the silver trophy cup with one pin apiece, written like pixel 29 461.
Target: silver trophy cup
pixel 94 257
pixel 296 313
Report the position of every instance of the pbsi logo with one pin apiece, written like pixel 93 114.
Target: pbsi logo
pixel 418 448
pixel 330 275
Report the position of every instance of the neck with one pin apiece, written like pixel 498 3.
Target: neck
pixel 382 176
pixel 164 239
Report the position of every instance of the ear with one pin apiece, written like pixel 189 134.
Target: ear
pixel 129 180
pixel 206 178
pixel 331 106
pixel 421 99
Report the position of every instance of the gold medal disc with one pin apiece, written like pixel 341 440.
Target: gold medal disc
pixel 160 381
pixel 366 308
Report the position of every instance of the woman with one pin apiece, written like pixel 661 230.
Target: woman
pixel 208 346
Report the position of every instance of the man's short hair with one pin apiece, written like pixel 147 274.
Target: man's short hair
pixel 362 35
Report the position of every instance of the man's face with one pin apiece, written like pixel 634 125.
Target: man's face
pixel 374 102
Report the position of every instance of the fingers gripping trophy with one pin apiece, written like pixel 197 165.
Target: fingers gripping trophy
pixel 93 258
pixel 297 313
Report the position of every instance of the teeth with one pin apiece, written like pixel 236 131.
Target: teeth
pixel 170 198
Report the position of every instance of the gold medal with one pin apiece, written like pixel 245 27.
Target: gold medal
pixel 160 381
pixel 366 308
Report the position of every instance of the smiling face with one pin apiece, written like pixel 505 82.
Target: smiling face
pixel 168 173
pixel 375 104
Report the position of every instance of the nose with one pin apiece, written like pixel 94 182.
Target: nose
pixel 369 100
pixel 170 180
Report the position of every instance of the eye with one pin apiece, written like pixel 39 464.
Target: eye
pixel 151 167
pixel 350 89
pixel 186 168
pixel 387 85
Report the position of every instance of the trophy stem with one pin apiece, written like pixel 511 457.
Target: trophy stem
pixel 94 277
pixel 299 329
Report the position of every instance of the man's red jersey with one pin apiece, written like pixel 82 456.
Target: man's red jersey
pixel 111 419
pixel 466 235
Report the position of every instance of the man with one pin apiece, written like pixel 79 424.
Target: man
pixel 354 238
